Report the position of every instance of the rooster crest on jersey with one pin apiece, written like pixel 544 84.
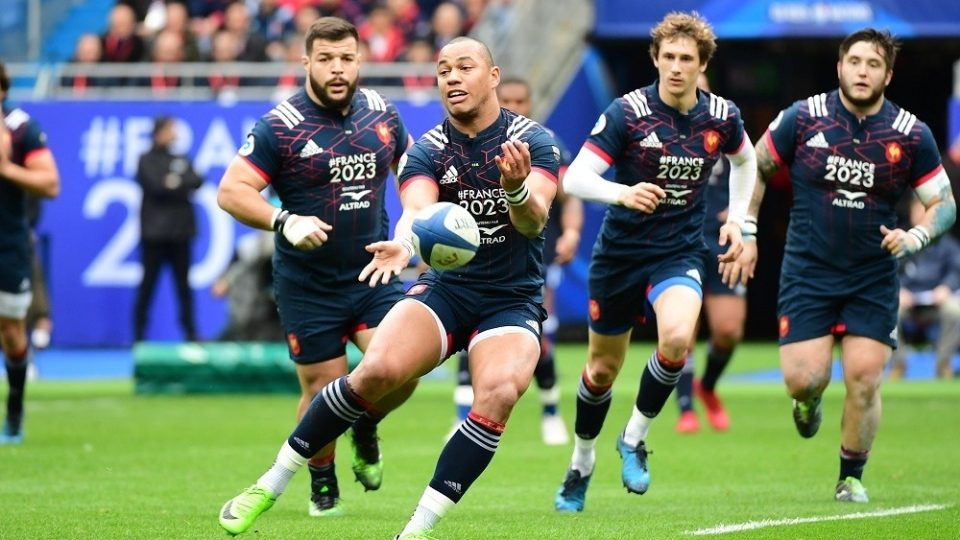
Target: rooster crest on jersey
pixel 445 235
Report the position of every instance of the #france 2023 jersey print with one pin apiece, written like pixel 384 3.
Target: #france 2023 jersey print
pixel 466 174
pixel 647 141
pixel 322 163
pixel 847 177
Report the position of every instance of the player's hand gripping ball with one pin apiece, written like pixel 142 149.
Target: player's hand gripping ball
pixel 445 235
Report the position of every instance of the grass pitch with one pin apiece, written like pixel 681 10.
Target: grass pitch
pixel 99 462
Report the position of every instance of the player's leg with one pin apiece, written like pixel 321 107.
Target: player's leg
pixel 863 361
pixel 949 338
pixel 180 263
pixel 552 428
pixel 676 302
pixel 324 489
pixel 687 422
pixel 151 259
pixel 408 344
pixel 898 360
pixel 38 314
pixel 806 372
pixel 367 460
pixel 726 315
pixel 13 338
pixel 463 393
pixel 502 360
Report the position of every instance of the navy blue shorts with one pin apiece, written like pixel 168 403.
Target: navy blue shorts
pixel 469 315
pixel 622 291
pixel 861 304
pixel 712 280
pixel 319 320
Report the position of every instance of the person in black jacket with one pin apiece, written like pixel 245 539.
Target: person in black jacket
pixel 167 224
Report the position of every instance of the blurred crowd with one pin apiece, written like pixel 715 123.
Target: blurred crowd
pixel 225 31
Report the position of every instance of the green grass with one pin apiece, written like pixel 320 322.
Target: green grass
pixel 99 462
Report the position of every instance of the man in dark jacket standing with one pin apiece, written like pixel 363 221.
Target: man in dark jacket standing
pixel 167 224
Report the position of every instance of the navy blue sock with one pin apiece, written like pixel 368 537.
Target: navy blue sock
pixel 685 391
pixel 656 383
pixel 17 379
pixel 593 402
pixel 466 455
pixel 546 374
pixel 852 463
pixel 324 475
pixel 717 360
pixel 332 412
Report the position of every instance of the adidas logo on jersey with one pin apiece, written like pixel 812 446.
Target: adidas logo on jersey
pixel 310 149
pixel 651 141
pixel 818 141
pixel 450 176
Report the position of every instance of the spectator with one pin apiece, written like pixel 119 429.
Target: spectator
pixel 167 224
pixel 407 17
pixel 446 24
pixel 225 49
pixel 120 42
pixel 253 46
pixel 247 284
pixel 419 51
pixel 206 8
pixel 382 36
pixel 474 11
pixel 303 19
pixel 167 49
pixel 89 50
pixel 178 22
pixel 930 295
pixel 272 20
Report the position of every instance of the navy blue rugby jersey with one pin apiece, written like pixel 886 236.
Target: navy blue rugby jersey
pixel 26 138
pixel 648 141
pixel 465 173
pixel 847 177
pixel 322 163
pixel 718 196
pixel 554 227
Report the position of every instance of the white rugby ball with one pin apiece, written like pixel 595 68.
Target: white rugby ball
pixel 445 235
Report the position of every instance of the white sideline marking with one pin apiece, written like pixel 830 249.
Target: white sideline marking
pixel 764 523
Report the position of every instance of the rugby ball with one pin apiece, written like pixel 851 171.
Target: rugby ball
pixel 445 235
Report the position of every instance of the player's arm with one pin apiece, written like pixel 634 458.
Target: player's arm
pixel 939 215
pixel 390 257
pixel 571 223
pixel 239 195
pixel 529 191
pixel 38 175
pixel 741 226
pixel 584 179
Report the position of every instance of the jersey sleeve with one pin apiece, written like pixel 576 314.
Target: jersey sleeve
pixel 781 136
pixel 545 154
pixel 926 163
pixel 416 165
pixel 33 138
pixel 401 134
pixel 609 135
pixel 261 150
pixel 735 137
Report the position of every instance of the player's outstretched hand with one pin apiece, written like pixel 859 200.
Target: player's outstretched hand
pixel 305 232
pixel 514 164
pixel 898 242
pixel 731 272
pixel 389 259
pixel 642 196
pixel 742 268
pixel 566 247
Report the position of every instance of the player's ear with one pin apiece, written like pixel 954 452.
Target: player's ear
pixel 839 65
pixel 889 78
pixel 305 60
pixel 494 77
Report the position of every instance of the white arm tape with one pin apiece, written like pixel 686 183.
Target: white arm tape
pixel 932 187
pixel 583 179
pixel 743 178
pixel 297 228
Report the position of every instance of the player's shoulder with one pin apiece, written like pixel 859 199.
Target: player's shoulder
pixel 17 118
pixel 901 120
pixel 636 103
pixel 521 128
pixel 720 108
pixel 289 113
pixel 820 105
pixel 434 139
pixel 370 99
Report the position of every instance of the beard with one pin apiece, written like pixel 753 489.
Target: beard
pixel 329 102
pixel 863 103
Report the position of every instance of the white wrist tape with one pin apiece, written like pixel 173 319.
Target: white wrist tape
pixel 518 196
pixel 297 228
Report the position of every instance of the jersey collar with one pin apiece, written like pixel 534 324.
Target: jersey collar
pixel 482 134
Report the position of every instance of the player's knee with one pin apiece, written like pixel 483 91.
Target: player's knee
pixel 804 384
pixel 675 341
pixel 602 370
pixel 498 398
pixel 373 379
pixel 726 334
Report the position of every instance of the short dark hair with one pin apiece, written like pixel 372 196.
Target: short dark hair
pixel 484 50
pixel 883 39
pixel 160 122
pixel 515 80
pixel 4 79
pixel 330 29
